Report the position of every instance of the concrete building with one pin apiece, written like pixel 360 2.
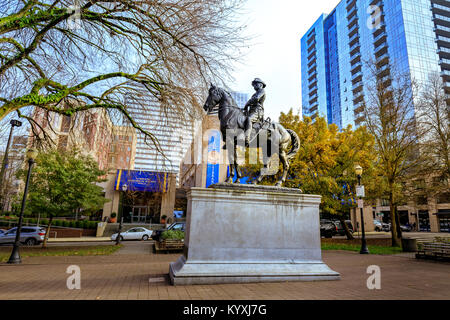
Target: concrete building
pixel 204 162
pixel 93 133
pixel 142 180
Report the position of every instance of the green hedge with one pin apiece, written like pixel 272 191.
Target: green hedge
pixel 172 235
pixel 57 223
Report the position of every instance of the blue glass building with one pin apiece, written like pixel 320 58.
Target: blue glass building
pixel 411 35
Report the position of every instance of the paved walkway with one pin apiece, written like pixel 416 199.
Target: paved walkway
pixel 135 273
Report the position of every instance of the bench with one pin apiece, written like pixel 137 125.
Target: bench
pixel 168 245
pixel 433 250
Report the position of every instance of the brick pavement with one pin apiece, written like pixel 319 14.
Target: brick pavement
pixel 144 276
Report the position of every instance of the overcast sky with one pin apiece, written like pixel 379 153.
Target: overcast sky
pixel 275 54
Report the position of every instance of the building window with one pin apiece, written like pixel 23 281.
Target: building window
pixel 422 200
pixel 444 198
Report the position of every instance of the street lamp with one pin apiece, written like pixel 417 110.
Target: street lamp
pixel 15 255
pixel 13 123
pixel 360 194
pixel 124 189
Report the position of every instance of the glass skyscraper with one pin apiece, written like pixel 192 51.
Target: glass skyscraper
pixel 411 35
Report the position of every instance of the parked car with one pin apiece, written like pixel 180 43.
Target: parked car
pixel 174 226
pixel 28 235
pixel 327 228
pixel 340 228
pixel 386 227
pixel 378 225
pixel 138 233
pixel 405 228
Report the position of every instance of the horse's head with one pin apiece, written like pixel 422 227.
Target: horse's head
pixel 214 97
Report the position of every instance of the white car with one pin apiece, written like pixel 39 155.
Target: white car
pixel 378 225
pixel 138 233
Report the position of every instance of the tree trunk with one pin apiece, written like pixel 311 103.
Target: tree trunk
pixel 47 232
pixel 347 231
pixel 399 230
pixel 395 240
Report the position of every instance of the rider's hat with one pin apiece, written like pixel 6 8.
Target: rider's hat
pixel 258 80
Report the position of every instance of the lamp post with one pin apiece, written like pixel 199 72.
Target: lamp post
pixel 15 255
pixel 124 189
pixel 14 123
pixel 360 193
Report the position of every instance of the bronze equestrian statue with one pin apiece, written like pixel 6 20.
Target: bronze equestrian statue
pixel 250 127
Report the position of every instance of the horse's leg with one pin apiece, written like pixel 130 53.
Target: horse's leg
pixel 236 165
pixel 282 153
pixel 230 178
pixel 229 142
pixel 285 162
pixel 263 144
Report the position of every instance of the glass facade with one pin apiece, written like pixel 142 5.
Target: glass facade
pixel 240 98
pixel 413 36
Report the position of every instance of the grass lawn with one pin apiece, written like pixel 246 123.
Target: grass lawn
pixel 105 250
pixel 353 247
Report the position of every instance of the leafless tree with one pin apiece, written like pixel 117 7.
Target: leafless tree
pixel 434 118
pixel 389 114
pixel 68 56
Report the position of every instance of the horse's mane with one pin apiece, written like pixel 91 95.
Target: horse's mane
pixel 234 104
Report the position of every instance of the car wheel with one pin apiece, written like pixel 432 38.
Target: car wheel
pixel 30 242
pixel 145 237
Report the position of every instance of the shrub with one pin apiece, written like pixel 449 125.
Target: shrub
pixel 172 235
pixel 85 224
pixel 92 224
pixel 113 215
pixel 44 222
pixel 66 223
pixel 79 224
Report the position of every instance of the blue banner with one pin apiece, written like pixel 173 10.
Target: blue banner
pixel 213 164
pixel 143 181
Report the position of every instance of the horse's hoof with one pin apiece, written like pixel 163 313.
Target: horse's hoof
pixel 238 181
pixel 255 183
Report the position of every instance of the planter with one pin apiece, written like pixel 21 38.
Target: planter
pixel 113 220
pixel 409 245
pixel 169 245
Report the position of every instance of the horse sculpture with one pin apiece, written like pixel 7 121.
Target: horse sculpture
pixel 273 136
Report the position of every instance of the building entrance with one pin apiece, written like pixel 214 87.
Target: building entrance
pixel 139 214
pixel 424 221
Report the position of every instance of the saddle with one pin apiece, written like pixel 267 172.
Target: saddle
pixel 262 125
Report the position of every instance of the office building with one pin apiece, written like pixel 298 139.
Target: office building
pixel 412 36
pixel 241 98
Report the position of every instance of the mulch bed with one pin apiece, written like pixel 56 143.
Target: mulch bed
pixel 384 242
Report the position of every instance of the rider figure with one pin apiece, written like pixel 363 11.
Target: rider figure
pixel 254 108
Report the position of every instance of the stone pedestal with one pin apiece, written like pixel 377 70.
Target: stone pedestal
pixel 246 233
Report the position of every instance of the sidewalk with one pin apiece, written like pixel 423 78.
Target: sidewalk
pixel 81 239
pixel 145 276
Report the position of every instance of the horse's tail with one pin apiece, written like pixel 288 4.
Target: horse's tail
pixel 295 144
